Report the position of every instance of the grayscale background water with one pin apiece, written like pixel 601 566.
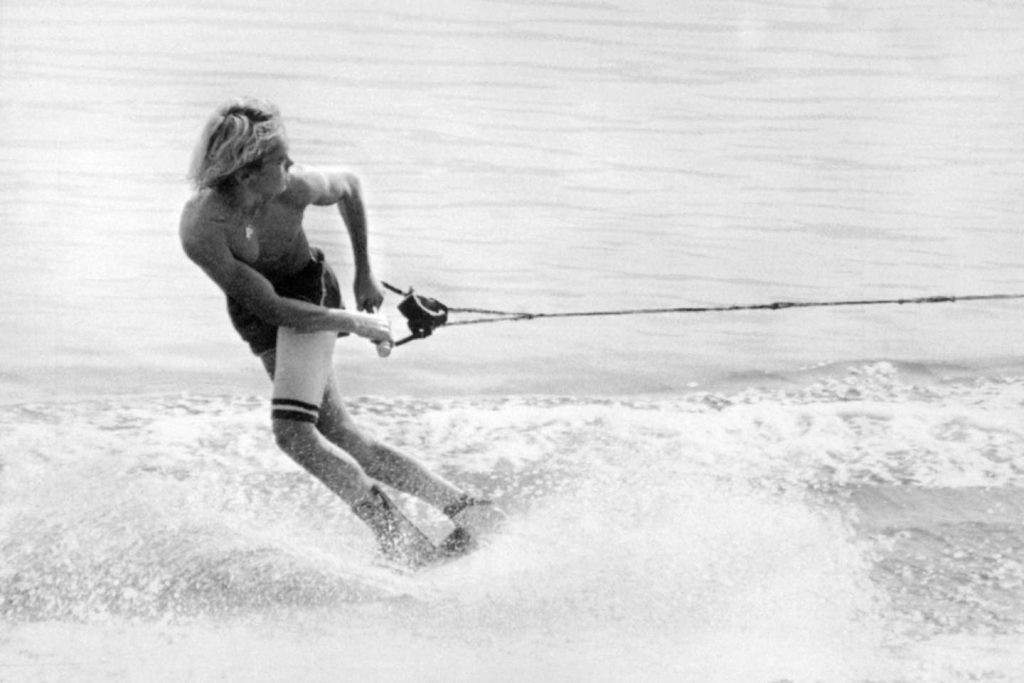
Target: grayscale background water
pixel 814 494
pixel 535 157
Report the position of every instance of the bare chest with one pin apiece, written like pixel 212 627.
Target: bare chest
pixel 269 240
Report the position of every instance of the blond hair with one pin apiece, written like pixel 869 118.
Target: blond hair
pixel 237 135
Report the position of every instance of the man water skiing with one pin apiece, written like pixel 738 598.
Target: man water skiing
pixel 243 227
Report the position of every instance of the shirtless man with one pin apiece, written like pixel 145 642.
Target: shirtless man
pixel 243 227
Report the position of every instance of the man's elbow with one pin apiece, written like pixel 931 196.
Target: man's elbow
pixel 347 186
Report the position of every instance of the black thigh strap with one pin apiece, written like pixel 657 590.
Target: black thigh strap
pixel 290 409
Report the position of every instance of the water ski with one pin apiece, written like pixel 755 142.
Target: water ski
pixel 473 518
pixel 401 541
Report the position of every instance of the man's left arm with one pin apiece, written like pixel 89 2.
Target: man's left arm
pixel 329 186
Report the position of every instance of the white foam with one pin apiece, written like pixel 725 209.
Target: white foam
pixel 689 537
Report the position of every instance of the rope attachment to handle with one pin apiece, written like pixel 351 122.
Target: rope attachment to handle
pixel 422 313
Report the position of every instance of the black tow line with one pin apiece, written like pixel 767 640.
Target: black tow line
pixel 425 314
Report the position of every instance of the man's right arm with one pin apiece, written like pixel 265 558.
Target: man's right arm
pixel 207 246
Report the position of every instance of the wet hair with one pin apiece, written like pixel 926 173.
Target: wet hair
pixel 237 136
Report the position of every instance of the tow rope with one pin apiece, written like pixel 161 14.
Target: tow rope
pixel 425 314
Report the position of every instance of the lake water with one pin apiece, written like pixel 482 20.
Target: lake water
pixel 826 494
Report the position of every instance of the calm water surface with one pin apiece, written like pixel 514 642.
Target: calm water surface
pixel 529 156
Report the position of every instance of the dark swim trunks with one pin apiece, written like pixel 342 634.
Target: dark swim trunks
pixel 315 284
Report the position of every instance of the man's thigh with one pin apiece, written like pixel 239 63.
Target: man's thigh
pixel 302 365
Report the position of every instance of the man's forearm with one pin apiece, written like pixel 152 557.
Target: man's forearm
pixel 353 213
pixel 306 317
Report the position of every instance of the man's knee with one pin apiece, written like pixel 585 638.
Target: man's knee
pixel 341 430
pixel 294 437
pixel 294 423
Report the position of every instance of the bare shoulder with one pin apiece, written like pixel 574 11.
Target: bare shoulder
pixel 320 185
pixel 201 229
